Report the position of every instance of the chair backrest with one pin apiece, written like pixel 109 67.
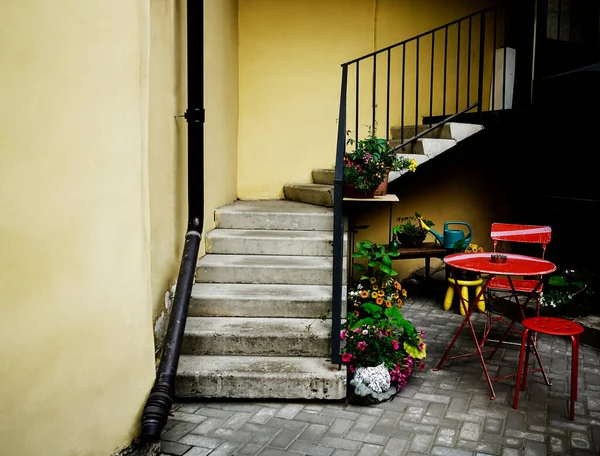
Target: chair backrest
pixel 531 234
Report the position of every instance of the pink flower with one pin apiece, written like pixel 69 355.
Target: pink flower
pixel 343 334
pixel 422 333
pixel 357 330
pixel 395 344
pixel 362 345
pixel 347 357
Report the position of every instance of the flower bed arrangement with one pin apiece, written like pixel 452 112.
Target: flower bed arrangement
pixel 376 333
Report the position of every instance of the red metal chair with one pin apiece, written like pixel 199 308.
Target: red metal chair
pixel 517 292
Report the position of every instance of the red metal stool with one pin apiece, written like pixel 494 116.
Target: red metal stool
pixel 554 327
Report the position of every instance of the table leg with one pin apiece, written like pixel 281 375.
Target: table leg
pixel 469 308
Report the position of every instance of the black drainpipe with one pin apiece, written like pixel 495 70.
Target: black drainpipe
pixel 160 400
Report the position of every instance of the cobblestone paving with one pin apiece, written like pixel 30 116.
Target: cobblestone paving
pixel 448 412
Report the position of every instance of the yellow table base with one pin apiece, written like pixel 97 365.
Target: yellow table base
pixel 464 291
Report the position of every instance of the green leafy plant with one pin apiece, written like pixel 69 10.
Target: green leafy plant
pixel 379 259
pixel 569 293
pixel 375 331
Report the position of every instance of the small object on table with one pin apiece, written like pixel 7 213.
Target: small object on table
pixel 498 258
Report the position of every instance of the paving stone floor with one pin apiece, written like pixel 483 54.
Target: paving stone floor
pixel 446 412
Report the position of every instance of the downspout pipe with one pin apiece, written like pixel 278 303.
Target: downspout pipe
pixel 160 400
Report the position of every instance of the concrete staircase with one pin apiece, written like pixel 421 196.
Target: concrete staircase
pixel 254 327
pixel 320 192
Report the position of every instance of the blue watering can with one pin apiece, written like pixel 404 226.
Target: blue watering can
pixel 452 239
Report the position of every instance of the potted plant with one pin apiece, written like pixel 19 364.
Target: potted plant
pixel 378 149
pixel 569 294
pixel 375 334
pixel 409 232
pixel 361 176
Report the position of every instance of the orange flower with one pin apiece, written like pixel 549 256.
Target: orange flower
pixel 380 292
pixel 388 303
pixel 379 301
pixel 373 280
pixel 374 295
pixel 364 294
pixel 397 285
pixel 399 302
pixel 404 293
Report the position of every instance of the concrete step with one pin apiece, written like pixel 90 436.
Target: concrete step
pixel 270 242
pixel 425 146
pixel 322 176
pixel 300 270
pixel 460 131
pixel 231 336
pixel 317 194
pixel 451 130
pixel 274 215
pixel 248 377
pixel 260 300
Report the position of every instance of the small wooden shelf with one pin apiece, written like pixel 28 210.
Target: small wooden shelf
pixel 389 198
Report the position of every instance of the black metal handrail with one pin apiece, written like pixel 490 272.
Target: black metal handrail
pixel 474 45
pixel 421 35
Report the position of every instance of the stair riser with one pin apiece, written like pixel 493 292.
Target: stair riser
pixel 417 149
pixel 317 196
pixel 283 275
pixel 258 308
pixel 412 131
pixel 323 176
pixel 245 246
pixel 274 221
pixel 259 386
pixel 292 344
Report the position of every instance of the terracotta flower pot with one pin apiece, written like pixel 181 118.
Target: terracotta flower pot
pixel 382 189
pixel 351 192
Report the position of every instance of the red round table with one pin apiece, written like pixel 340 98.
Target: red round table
pixel 515 265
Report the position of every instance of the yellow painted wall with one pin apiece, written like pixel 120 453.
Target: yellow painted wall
pixel 290 56
pixel 167 164
pixel 77 177
pixel 221 103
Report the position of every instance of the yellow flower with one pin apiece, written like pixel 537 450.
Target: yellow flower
pixel 373 280
pixel 380 293
pixel 375 287
pixel 395 296
pixel 404 293
pixel 374 295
